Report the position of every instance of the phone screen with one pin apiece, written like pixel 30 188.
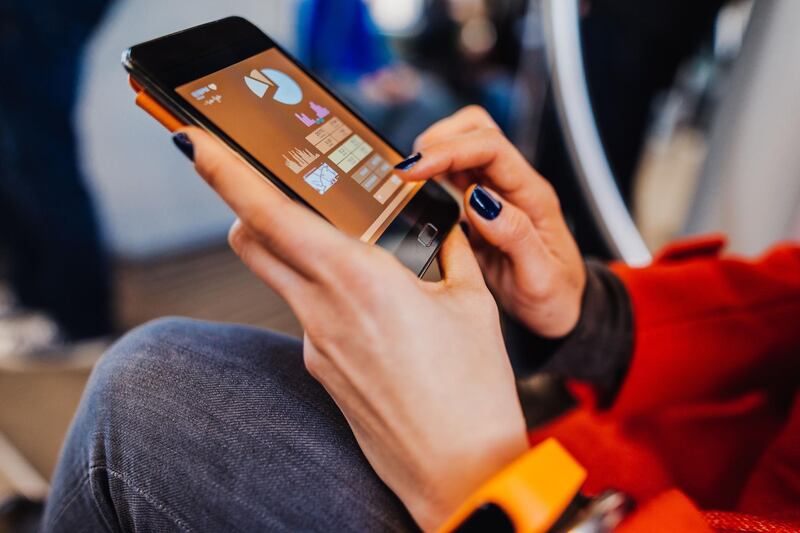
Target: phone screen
pixel 307 139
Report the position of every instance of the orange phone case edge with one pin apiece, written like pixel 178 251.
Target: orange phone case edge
pixel 154 109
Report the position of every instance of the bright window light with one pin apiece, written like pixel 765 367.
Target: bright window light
pixel 396 16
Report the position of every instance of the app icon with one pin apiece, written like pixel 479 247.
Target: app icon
pixel 200 94
pixel 321 178
pixel 319 111
pixel 298 159
pixel 282 88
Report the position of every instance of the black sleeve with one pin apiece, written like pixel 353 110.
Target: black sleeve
pixel 599 349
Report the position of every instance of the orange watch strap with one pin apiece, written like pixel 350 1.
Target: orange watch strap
pixel 154 109
pixel 534 491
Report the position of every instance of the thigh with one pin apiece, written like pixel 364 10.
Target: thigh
pixel 197 426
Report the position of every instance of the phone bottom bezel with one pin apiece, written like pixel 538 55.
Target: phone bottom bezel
pixel 431 205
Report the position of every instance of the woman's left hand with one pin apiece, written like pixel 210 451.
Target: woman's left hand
pixel 419 369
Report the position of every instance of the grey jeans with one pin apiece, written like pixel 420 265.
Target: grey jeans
pixel 192 426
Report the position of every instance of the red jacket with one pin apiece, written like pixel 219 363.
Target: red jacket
pixel 708 417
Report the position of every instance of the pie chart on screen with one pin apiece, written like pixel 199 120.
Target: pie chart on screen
pixel 280 86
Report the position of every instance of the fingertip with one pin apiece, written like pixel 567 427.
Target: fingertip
pixel 409 162
pixel 486 226
pixel 192 132
pixel 193 143
pixel 485 203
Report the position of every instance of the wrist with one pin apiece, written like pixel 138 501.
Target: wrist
pixel 532 493
pixel 599 348
pixel 460 474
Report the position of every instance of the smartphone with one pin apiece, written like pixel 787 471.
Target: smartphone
pixel 232 80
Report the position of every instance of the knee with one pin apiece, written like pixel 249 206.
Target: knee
pixel 178 365
pixel 143 358
pixel 130 395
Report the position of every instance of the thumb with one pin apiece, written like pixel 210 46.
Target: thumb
pixel 457 260
pixel 504 226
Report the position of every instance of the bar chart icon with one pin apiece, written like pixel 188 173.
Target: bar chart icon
pixel 298 159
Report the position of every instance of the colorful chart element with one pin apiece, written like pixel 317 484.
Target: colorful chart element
pixel 321 178
pixel 299 159
pixel 320 111
pixel 283 88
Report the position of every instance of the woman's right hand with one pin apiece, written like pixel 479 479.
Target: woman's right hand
pixel 528 255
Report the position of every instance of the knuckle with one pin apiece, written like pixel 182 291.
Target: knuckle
pixel 540 287
pixel 257 219
pixel 424 139
pixel 245 251
pixel 211 168
pixel 478 114
pixel 549 195
pixel 329 339
pixel 497 137
pixel 261 222
pixel 493 140
pixel 236 237
pixel 345 265
pixel 520 229
pixel 313 363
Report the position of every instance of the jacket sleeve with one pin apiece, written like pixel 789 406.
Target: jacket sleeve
pixel 599 348
pixel 707 328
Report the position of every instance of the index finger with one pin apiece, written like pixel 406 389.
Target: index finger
pixel 463 121
pixel 492 159
pixel 286 228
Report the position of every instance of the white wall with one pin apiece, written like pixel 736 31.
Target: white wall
pixel 148 197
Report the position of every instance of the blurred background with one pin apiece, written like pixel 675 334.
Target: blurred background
pixel 654 119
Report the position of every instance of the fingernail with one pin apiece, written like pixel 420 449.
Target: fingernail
pixel 408 163
pixel 184 144
pixel 464 227
pixel 484 204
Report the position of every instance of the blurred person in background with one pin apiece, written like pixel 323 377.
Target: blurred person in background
pixel 474 45
pixel 459 52
pixel 57 268
pixel 339 41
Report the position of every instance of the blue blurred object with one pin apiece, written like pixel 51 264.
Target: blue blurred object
pixel 338 40
pixel 48 226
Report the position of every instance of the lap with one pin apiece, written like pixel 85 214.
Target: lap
pixel 198 426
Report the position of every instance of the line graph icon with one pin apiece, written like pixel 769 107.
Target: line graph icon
pixel 321 178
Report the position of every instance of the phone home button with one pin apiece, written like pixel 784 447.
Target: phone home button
pixel 427 235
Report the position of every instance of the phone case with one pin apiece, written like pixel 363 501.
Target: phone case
pixel 154 109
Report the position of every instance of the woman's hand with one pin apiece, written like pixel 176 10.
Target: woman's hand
pixel 419 369
pixel 526 251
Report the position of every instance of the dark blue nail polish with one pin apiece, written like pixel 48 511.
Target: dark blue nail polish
pixel 484 204
pixel 408 163
pixel 184 144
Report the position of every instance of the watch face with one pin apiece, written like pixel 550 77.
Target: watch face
pixel 488 517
